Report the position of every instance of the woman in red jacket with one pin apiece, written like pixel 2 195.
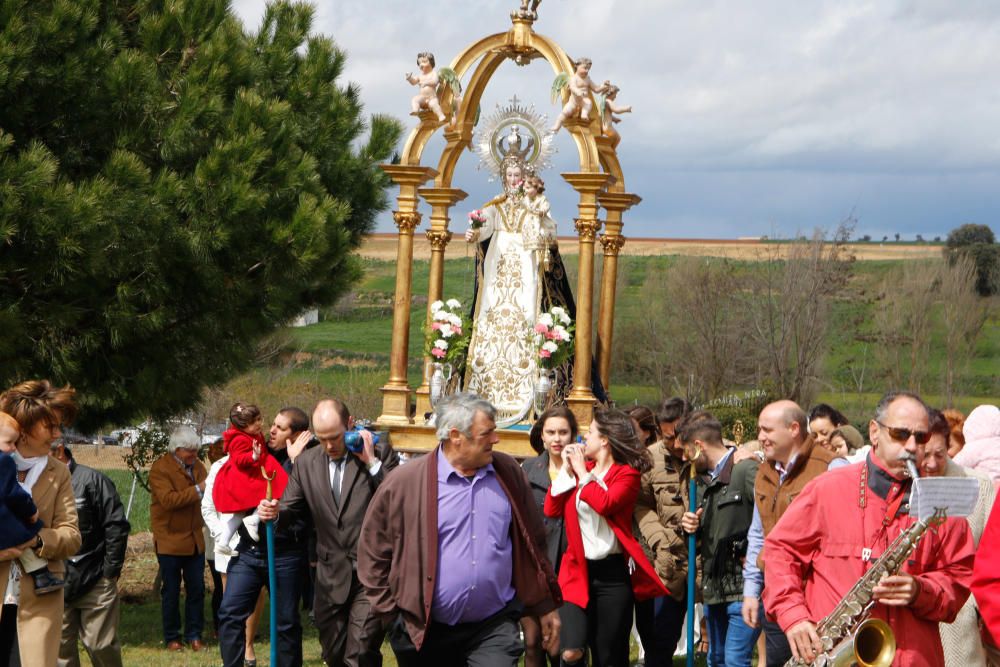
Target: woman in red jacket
pixel 604 569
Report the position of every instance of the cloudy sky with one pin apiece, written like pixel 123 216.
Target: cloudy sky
pixel 765 117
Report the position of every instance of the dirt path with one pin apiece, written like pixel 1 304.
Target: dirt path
pixel 383 247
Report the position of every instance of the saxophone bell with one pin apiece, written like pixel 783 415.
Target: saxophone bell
pixel 873 644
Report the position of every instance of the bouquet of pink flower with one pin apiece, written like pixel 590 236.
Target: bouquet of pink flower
pixel 553 337
pixel 447 336
pixel 476 219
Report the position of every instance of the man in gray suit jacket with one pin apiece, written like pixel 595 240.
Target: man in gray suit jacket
pixel 335 486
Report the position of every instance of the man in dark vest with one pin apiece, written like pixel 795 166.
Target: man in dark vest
pixel 791 460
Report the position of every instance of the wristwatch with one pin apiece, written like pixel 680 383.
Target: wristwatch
pixel 38 542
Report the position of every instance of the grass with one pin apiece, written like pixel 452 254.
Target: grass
pixel 142 644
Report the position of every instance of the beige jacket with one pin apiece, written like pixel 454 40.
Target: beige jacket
pixel 658 513
pixel 39 619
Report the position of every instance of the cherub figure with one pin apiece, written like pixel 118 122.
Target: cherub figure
pixel 529 13
pixel 538 231
pixel 580 88
pixel 428 81
pixel 608 118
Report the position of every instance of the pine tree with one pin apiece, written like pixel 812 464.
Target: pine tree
pixel 173 188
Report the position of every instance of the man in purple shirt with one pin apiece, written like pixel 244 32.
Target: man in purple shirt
pixel 452 551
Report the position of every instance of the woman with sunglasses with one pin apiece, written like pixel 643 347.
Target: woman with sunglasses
pixel 604 569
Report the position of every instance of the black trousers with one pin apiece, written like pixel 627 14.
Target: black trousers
pixel 492 642
pixel 9 652
pixel 778 650
pixel 605 625
pixel 660 622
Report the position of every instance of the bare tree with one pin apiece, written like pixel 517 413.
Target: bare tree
pixel 689 339
pixel 787 303
pixel 963 315
pixel 903 319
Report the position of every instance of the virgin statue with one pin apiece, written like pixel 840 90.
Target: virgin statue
pixel 519 274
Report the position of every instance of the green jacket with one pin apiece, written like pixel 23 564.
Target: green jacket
pixel 728 502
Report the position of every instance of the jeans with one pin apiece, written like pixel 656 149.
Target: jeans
pixel 192 569
pixel 659 622
pixel 246 577
pixel 730 640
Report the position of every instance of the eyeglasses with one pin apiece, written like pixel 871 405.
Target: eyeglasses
pixel 904 434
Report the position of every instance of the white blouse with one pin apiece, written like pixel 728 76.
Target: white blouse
pixel 599 539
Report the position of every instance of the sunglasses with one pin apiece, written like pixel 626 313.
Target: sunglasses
pixel 904 434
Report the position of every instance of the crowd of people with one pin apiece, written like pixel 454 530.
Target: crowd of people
pixel 464 556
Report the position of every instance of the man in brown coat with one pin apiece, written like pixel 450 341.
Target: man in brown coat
pixel 658 512
pixel 792 459
pixel 176 485
pixel 452 551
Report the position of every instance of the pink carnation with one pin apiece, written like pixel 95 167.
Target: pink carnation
pixel 435 325
pixel 541 328
pixel 544 354
pixel 438 352
pixel 552 335
pixel 457 330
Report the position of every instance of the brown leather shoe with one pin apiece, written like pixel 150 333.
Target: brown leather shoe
pixel 175 646
pixel 197 645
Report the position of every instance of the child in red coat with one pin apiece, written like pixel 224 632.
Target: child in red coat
pixel 240 484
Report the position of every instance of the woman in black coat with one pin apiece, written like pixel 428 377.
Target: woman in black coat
pixel 555 429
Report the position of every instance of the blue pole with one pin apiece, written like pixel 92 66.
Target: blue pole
pixel 272 589
pixel 272 575
pixel 692 570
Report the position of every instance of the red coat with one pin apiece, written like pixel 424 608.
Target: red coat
pixel 814 556
pixel 616 505
pixel 239 485
pixel 986 577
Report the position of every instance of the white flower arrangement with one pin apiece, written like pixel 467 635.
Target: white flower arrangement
pixel 553 341
pixel 447 336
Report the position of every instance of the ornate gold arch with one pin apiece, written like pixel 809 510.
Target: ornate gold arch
pixel 599 182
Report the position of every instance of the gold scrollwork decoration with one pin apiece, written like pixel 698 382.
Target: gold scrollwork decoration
pixel 612 243
pixel 439 238
pixel 587 228
pixel 407 221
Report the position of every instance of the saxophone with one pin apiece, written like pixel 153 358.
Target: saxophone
pixel 849 636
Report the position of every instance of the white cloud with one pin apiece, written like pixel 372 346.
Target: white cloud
pixel 777 87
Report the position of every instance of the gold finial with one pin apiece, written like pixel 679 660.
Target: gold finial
pixel 739 431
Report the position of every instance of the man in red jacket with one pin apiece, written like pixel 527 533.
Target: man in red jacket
pixel 986 581
pixel 843 521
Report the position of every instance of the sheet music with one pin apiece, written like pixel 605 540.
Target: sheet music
pixel 956 495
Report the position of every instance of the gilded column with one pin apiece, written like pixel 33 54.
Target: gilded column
pixel 396 392
pixel 441 200
pixel 612 245
pixel 581 396
pixel 615 204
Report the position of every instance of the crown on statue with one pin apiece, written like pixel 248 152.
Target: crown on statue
pixel 514 134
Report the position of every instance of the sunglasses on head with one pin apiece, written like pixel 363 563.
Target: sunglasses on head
pixel 903 434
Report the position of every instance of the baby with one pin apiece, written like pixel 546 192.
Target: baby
pixel 241 485
pixel 539 229
pixel 580 88
pixel 428 81
pixel 18 514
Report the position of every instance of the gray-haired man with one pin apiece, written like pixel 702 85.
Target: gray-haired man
pixel 452 551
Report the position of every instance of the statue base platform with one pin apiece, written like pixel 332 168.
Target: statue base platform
pixel 414 439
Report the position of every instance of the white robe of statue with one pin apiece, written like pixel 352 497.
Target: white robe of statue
pixel 501 360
